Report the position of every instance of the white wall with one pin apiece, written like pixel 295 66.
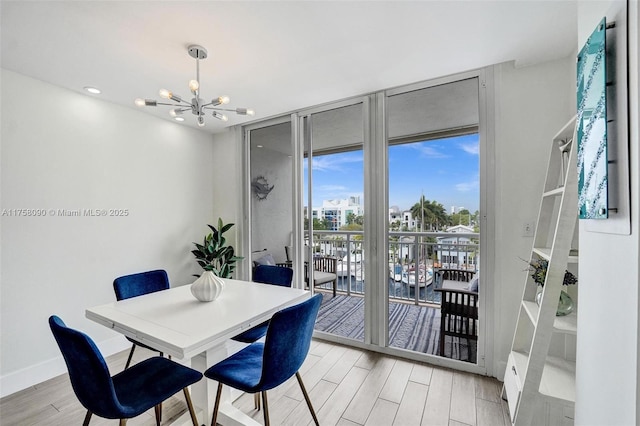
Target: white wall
pixel 227 188
pixel 271 217
pixel 607 359
pixel 532 104
pixel 64 150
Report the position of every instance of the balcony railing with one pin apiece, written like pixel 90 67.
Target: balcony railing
pixel 413 260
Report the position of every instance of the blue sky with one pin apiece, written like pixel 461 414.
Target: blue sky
pixel 445 170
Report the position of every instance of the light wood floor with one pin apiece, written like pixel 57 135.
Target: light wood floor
pixel 347 386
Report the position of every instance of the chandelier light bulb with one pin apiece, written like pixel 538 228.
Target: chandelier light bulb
pixel 165 93
pixel 220 116
pixel 200 121
pixel 175 112
pixel 244 111
pixel 194 86
pixel 224 100
pixel 140 102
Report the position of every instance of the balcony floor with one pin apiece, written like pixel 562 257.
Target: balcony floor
pixel 412 327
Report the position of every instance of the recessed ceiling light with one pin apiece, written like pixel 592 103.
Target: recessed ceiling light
pixel 179 118
pixel 258 146
pixel 93 90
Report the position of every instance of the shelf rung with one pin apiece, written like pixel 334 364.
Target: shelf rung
pixel 554 192
pixel 566 325
pixel 545 253
pixel 559 379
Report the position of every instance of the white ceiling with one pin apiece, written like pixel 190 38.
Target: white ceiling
pixel 274 57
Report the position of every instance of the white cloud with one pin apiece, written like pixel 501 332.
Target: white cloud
pixel 332 188
pixel 467 186
pixel 430 151
pixel 334 163
pixel 470 148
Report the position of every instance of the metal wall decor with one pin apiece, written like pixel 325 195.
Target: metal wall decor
pixel 261 187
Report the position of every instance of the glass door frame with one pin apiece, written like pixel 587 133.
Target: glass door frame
pixel 487 201
pixel 304 141
pixel 375 148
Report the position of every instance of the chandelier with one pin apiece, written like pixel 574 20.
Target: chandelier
pixel 197 106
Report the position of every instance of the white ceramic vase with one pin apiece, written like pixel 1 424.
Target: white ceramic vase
pixel 208 287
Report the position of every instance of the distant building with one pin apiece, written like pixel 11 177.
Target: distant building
pixel 337 211
pixel 395 215
pixel 456 251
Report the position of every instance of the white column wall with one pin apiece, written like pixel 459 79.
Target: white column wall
pixel 532 104
pixel 64 150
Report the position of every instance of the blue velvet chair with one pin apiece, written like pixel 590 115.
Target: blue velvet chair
pixel 263 366
pixel 266 274
pixel 133 285
pixel 127 394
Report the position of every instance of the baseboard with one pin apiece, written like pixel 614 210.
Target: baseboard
pixel 30 376
pixel 498 373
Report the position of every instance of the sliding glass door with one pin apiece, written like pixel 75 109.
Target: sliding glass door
pixel 380 204
pixel 334 216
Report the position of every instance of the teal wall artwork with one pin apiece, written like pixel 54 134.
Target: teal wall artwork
pixel 592 127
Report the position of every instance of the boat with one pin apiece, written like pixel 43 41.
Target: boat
pixel 350 265
pixel 425 277
pixel 395 272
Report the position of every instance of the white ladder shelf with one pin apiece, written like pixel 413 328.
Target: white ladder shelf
pixel 539 381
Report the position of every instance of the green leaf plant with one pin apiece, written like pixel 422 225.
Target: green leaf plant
pixel 214 254
pixel 538 270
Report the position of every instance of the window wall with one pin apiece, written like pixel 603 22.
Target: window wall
pixel 347 175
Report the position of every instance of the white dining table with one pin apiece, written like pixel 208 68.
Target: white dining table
pixel 197 333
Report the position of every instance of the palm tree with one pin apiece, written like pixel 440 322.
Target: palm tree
pixel 433 212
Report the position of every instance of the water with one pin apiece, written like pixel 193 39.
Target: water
pixel 397 290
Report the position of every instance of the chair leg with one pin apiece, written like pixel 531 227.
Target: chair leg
pixel 217 405
pixel 158 411
pixel 87 418
pixel 192 412
pixel 442 322
pixel 266 408
pixel 133 348
pixel 306 398
pixel 256 401
pixel 123 422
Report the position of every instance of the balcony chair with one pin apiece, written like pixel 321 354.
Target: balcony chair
pixel 134 285
pixel 263 366
pixel 127 394
pixel 324 271
pixel 459 305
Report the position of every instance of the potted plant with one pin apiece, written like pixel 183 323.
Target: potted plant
pixel 214 254
pixel 538 271
pixel 218 261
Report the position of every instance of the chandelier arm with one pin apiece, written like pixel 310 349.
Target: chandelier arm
pixel 182 103
pixel 222 109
